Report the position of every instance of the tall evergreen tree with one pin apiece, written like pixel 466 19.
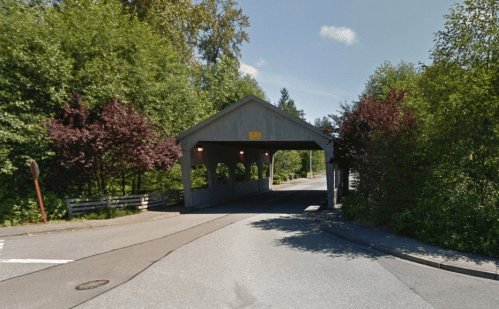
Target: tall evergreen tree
pixel 323 123
pixel 287 104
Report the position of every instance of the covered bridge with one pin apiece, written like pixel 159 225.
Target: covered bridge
pixel 249 131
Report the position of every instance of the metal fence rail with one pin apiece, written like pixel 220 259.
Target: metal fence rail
pixel 77 206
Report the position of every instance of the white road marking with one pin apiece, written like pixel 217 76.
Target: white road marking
pixel 35 261
pixel 313 208
pixel 31 261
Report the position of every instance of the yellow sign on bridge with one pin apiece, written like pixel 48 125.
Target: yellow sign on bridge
pixel 255 135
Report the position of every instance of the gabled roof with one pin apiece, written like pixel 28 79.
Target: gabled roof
pixel 241 103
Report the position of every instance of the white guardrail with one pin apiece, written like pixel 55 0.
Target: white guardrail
pixel 77 206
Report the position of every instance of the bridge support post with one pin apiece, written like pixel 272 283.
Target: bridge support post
pixel 259 163
pixel 186 163
pixel 330 178
pixel 271 174
pixel 212 174
pixel 232 176
pixel 247 170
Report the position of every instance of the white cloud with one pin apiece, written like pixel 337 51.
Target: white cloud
pixel 247 69
pixel 341 34
pixel 261 62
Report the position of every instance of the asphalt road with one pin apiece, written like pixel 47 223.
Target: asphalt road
pixel 261 252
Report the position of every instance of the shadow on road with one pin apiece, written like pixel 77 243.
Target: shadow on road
pixel 286 202
pixel 301 227
pixel 303 234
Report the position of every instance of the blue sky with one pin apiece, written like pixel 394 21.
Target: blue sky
pixel 324 51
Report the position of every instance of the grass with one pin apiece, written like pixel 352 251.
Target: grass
pixel 294 182
pixel 41 222
pixel 109 212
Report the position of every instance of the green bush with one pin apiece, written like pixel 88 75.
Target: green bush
pixel 354 207
pixel 26 210
pixel 455 214
pixel 277 179
pixel 199 176
pixel 284 176
pixel 18 211
pixel 109 212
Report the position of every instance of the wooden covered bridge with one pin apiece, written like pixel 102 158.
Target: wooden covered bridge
pixel 249 131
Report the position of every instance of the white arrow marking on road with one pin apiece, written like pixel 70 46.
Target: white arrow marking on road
pixel 28 261
pixel 35 261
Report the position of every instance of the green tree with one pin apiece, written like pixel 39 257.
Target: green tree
pixel 459 97
pixel 288 105
pixel 403 76
pixel 33 73
pixel 178 22
pixel 323 123
pixel 287 161
pixel 117 56
pixel 48 51
pixel 459 134
pixel 224 32
pixel 318 161
pixel 247 85
pixel 221 84
pixel 470 35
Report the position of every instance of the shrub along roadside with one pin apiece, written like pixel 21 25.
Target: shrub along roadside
pixel 25 209
pixel 355 207
pixel 109 213
pixel 463 224
pixel 453 215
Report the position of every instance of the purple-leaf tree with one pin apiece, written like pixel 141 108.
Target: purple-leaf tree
pixel 377 139
pixel 107 144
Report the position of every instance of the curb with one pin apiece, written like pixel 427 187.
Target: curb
pixel 97 226
pixel 88 227
pixel 50 231
pixel 443 265
pixel 187 210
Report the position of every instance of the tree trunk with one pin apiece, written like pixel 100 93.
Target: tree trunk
pixel 134 189
pixel 102 180
pixel 123 180
pixel 346 181
pixel 139 182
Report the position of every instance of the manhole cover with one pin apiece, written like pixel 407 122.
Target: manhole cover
pixel 91 284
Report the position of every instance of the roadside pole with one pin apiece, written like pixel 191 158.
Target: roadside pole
pixel 35 172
